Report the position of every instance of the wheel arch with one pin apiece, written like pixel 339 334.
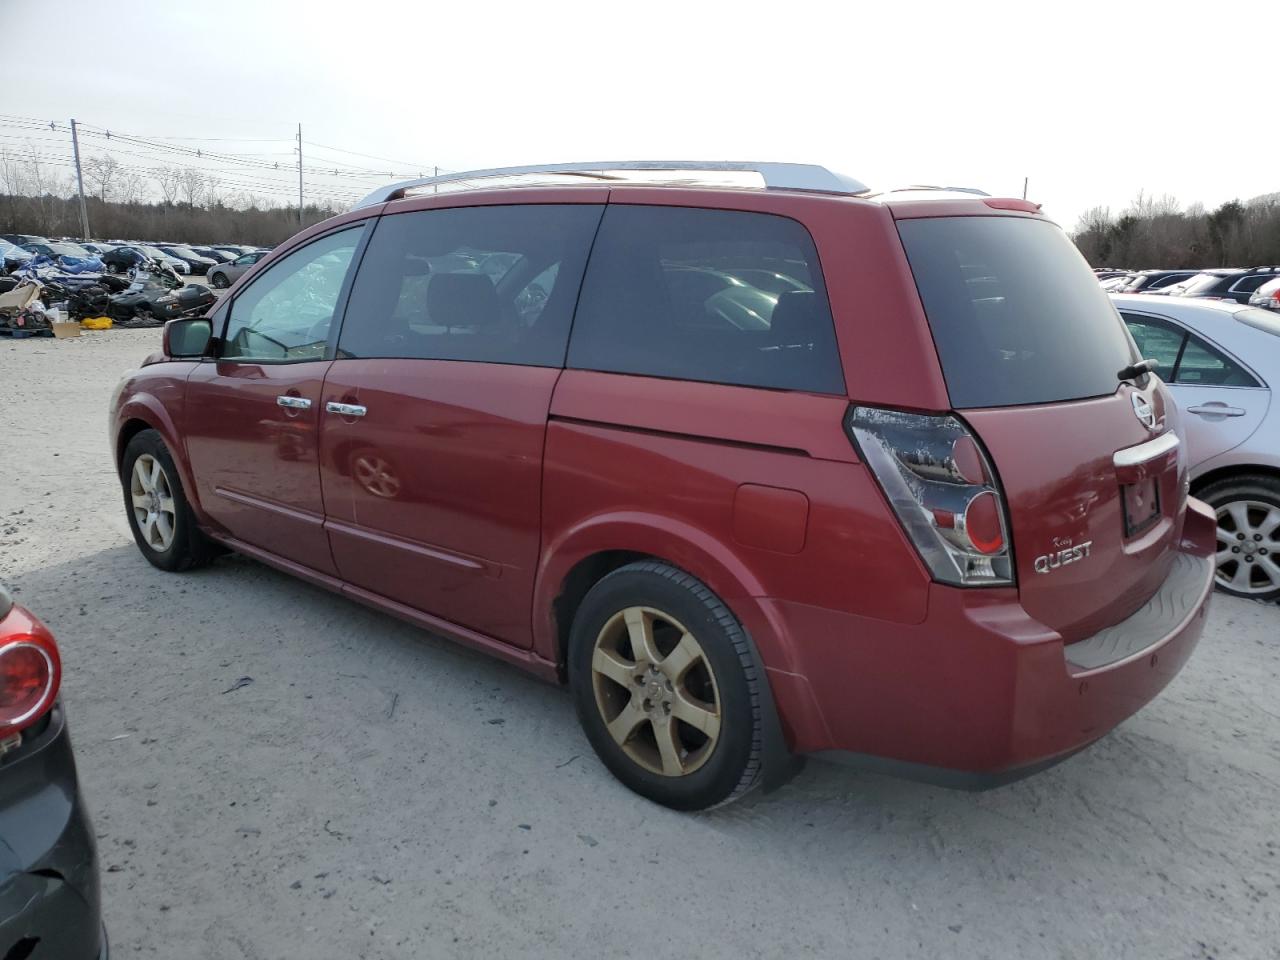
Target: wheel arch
pixel 145 412
pixel 1232 472
pixel 582 556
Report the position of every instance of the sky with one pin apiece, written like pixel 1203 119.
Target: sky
pixel 1090 101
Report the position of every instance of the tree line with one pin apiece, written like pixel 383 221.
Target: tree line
pixel 1158 232
pixel 191 207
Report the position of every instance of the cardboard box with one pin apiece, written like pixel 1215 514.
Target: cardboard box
pixel 65 328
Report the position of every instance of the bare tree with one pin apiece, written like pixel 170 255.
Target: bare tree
pixel 102 170
pixel 130 187
pixel 193 184
pixel 169 180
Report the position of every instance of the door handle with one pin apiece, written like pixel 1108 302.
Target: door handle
pixel 296 403
pixel 347 409
pixel 1216 409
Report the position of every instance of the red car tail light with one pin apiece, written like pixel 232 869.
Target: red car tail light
pixel 30 673
pixel 943 489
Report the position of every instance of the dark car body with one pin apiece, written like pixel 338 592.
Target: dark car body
pixel 379 417
pixel 49 895
pixel 1224 284
pixel 199 264
pixel 214 254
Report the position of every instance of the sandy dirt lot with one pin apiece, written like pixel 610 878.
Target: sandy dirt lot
pixel 378 792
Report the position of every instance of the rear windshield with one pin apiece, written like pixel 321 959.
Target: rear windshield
pixel 1017 315
pixel 1199 283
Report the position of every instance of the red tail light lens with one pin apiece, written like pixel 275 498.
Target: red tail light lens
pixel 943 490
pixel 30 672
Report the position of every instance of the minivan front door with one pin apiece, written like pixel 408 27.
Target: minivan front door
pixel 252 415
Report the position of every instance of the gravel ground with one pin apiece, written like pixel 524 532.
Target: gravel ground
pixel 378 792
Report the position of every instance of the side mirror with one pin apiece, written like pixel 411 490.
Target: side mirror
pixel 187 339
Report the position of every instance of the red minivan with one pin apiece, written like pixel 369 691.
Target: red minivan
pixel 759 469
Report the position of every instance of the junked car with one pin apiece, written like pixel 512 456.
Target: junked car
pixel 919 504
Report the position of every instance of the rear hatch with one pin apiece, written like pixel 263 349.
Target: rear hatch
pixel 1030 348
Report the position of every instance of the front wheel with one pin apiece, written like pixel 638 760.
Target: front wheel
pixel 666 687
pixel 219 281
pixel 159 515
pixel 1248 553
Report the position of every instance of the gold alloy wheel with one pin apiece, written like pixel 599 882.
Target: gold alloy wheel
pixel 153 505
pixel 655 691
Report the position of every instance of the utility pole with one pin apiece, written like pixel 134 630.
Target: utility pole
pixel 1024 187
pixel 435 187
pixel 84 211
pixel 299 175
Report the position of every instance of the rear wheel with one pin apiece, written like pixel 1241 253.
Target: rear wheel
pixel 159 514
pixel 1248 557
pixel 666 687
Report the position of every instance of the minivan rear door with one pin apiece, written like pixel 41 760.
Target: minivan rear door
pixel 1030 348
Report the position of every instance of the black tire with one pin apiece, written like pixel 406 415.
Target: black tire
pixel 188 548
pixel 219 281
pixel 731 766
pixel 1254 549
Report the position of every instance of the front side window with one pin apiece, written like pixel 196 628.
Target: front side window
pixel 1157 341
pixel 1205 366
pixel 494 284
pixel 712 295
pixel 285 313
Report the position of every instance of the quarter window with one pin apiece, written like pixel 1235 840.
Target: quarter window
pixel 490 283
pixel 286 313
pixel 712 295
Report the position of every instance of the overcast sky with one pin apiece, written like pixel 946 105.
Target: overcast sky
pixel 1091 101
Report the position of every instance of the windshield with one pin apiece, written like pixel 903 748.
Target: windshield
pixel 1017 315
pixel 182 251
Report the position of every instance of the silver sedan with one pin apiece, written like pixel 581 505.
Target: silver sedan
pixel 225 274
pixel 1221 361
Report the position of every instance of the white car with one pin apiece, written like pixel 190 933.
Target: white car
pixel 1221 360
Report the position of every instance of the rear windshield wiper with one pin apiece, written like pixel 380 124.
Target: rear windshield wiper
pixel 1138 369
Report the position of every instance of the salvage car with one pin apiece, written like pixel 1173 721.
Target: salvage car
pixel 49 900
pixel 1220 359
pixel 926 510
pixel 197 263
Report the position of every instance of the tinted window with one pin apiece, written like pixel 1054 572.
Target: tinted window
pixel 711 295
pixel 1156 341
pixel 493 284
pixel 1250 284
pixel 285 314
pixel 1016 314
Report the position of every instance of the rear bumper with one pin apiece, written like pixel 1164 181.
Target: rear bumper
pixel 48 859
pixel 980 693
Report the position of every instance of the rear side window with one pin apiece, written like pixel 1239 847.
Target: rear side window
pixel 712 295
pixel 1017 315
pixel 1250 284
pixel 494 284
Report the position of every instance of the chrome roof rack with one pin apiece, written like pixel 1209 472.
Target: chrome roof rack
pixel 776 176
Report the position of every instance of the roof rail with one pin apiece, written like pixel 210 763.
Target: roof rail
pixel 776 176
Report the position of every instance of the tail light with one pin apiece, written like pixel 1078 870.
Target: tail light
pixel 942 487
pixel 30 673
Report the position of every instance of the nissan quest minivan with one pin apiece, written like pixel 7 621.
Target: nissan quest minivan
pixel 759 463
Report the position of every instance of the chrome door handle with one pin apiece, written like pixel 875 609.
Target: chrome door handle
pixel 346 409
pixel 296 403
pixel 1215 409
